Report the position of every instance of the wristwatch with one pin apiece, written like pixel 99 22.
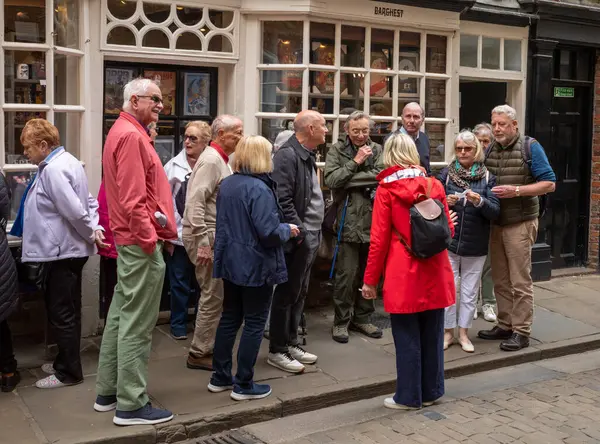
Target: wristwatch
pixel 517 192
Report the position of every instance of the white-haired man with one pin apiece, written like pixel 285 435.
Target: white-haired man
pixel 199 224
pixel 142 217
pixel 522 173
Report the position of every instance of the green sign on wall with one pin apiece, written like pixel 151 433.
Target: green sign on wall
pixel 564 92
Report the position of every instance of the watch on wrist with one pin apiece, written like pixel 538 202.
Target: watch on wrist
pixel 517 192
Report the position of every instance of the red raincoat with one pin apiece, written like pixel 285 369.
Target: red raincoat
pixel 411 285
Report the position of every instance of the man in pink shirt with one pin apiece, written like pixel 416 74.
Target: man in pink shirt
pixel 141 217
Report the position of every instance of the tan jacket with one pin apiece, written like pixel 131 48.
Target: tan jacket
pixel 200 215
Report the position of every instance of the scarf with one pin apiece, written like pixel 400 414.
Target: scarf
pixel 463 177
pixel 17 228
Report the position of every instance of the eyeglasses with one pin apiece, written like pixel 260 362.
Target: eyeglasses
pixel 463 149
pixel 193 139
pixel 155 99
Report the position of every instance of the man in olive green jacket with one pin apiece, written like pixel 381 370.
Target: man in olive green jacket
pixel 350 171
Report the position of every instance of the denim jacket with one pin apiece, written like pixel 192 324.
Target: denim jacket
pixel 60 215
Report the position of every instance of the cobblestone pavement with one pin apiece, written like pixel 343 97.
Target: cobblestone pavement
pixel 562 410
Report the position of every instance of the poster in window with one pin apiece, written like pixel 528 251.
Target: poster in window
pixel 323 53
pixel 290 80
pixel 166 82
pixel 408 86
pixel 196 94
pixel 115 80
pixel 380 85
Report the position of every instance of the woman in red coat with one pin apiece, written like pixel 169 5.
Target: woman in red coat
pixel 415 291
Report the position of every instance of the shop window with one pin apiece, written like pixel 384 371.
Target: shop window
pixel 14 122
pixel 281 91
pixel 512 55
pixel 270 128
pixel 160 25
pixel 120 35
pixel 410 47
pixel 353 46
pixel 166 82
pixel 66 23
pixel 66 80
pixel 69 126
pixel 322 42
pixel 282 43
pixel 351 93
pixel 437 135
pixel 435 98
pixel 490 53
pixel 437 49
pixel 382 49
pixel 468 50
pixel 25 77
pixel 381 95
pixel 25 23
pixel 17 181
pixel 380 130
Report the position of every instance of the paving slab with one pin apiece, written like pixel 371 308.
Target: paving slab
pixel 549 326
pixel 17 424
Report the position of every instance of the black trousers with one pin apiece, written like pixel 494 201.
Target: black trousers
pixel 108 281
pixel 8 363
pixel 288 299
pixel 63 306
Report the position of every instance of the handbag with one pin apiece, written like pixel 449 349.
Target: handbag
pixel 33 273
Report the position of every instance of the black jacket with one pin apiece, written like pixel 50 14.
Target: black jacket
pixel 8 270
pixel 293 167
pixel 472 233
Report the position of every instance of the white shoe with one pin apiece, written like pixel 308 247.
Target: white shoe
pixel 475 314
pixel 48 368
pixel 301 355
pixel 391 404
pixel 489 314
pixel 218 388
pixel 467 346
pixel 285 362
pixel 49 382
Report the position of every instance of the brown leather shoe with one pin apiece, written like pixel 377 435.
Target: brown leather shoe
pixel 200 362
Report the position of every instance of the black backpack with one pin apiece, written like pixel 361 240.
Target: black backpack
pixel 181 195
pixel 429 229
pixel 526 152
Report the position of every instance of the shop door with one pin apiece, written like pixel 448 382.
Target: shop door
pixel 566 221
pixel 477 99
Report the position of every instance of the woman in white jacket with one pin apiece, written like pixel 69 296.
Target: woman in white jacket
pixel 180 270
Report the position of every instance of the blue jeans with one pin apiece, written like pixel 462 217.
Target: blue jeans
pixel 249 305
pixel 419 341
pixel 182 282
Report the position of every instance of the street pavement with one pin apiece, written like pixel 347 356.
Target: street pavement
pixel 553 401
pixel 567 320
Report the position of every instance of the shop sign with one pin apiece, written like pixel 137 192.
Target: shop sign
pixel 389 12
pixel 564 92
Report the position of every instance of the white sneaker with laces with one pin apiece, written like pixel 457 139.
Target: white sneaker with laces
pixel 489 314
pixel 285 362
pixel 301 355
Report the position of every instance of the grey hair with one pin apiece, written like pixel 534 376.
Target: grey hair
pixel 136 87
pixel 411 104
pixel 281 138
pixel 356 115
pixel 223 122
pixel 483 127
pixel 506 110
pixel 469 138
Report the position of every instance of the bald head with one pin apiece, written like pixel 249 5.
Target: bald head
pixel 310 129
pixel 412 118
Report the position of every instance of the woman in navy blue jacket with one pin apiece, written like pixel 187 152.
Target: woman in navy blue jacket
pixel 469 193
pixel 249 258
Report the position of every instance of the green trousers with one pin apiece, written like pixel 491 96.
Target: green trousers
pixel 349 272
pixel 487 284
pixel 127 338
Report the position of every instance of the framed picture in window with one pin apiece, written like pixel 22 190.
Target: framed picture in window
pixel 408 86
pixel 115 80
pixel 165 148
pixel 322 53
pixel 166 82
pixel 196 94
pixel 381 59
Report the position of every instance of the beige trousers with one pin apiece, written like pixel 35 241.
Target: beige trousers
pixel 210 304
pixel 510 251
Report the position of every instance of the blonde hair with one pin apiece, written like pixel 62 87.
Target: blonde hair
pixel 400 149
pixel 253 155
pixel 38 130
pixel 203 127
pixel 471 140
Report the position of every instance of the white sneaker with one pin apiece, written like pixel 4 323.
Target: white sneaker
pixel 475 314
pixel 391 404
pixel 285 362
pixel 301 355
pixel 489 314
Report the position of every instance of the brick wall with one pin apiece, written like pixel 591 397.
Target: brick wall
pixel 594 239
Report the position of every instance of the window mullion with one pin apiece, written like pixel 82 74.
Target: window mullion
pixel 502 54
pixel 305 61
pixel 337 89
pixel 395 81
pixel 479 51
pixel 366 89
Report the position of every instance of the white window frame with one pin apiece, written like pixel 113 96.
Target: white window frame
pixel 336 117
pixel 50 108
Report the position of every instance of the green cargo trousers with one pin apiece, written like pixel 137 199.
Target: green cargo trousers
pixel 127 338
pixel 349 271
